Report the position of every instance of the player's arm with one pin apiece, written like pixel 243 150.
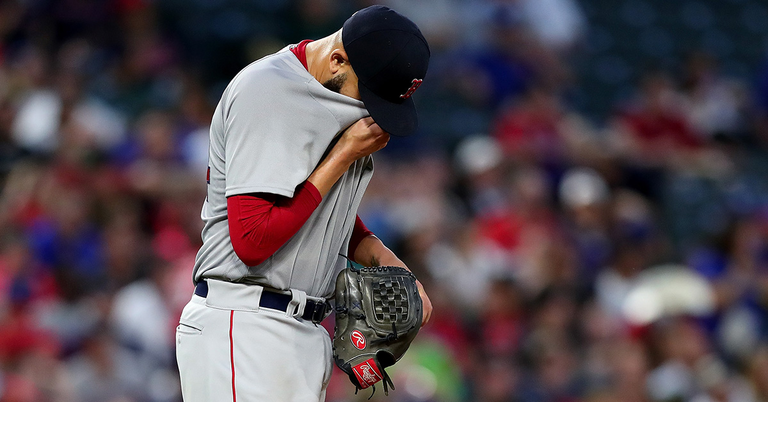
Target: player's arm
pixel 259 224
pixel 361 139
pixel 370 251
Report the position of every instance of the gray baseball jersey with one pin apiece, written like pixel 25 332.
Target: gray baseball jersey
pixel 273 125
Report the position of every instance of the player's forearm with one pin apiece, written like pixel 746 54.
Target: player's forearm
pixel 372 252
pixel 368 250
pixel 330 171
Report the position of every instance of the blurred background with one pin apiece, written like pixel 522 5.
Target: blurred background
pixel 585 201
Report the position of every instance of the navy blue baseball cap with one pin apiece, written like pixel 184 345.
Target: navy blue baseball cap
pixel 390 57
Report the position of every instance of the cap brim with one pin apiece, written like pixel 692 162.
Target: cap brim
pixel 397 119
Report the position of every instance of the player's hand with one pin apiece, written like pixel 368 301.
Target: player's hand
pixel 426 303
pixel 362 139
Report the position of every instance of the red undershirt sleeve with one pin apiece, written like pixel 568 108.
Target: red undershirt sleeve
pixel 259 224
pixel 359 232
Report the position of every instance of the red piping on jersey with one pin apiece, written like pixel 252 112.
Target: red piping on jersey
pixel 232 353
pixel 260 224
pixel 300 49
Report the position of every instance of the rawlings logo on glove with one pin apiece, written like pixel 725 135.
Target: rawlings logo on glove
pixel 378 314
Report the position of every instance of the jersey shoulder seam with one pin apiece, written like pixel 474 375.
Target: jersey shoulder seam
pixel 312 95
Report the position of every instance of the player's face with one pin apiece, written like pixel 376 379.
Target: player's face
pixel 344 79
pixel 349 87
pixel 336 83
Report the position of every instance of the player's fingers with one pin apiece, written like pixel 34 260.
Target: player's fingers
pixel 380 146
pixel 380 141
pixel 426 304
pixel 367 121
pixel 425 319
pixel 375 129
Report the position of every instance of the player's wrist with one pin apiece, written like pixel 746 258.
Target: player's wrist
pixel 345 152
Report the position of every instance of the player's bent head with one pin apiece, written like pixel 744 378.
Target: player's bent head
pixel 387 59
pixel 343 78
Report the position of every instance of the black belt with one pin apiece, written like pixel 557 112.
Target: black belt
pixel 314 311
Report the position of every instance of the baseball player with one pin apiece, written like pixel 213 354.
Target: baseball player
pixel 289 161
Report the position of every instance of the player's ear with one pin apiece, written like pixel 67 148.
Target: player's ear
pixel 338 61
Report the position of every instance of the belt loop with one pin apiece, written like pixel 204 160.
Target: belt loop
pixel 297 304
pixel 234 296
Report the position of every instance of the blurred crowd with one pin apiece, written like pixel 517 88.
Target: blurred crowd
pixel 568 258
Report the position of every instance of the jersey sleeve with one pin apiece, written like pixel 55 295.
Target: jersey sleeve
pixel 260 224
pixel 271 134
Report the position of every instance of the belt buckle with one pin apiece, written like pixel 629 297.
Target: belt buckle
pixel 318 311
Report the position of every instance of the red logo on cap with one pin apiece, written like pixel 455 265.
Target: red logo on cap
pixel 414 85
pixel 358 340
pixel 367 373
